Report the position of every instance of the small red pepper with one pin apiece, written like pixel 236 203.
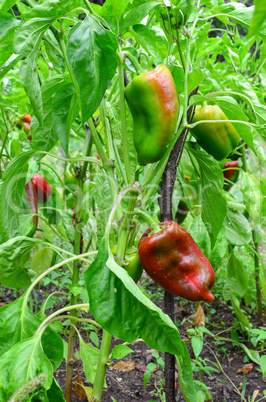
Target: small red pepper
pixel 43 188
pixel 174 261
pixel 31 194
pixel 230 175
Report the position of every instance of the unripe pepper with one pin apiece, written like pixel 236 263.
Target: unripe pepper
pixel 132 263
pixel 230 175
pixel 174 261
pixel 43 188
pixel 153 101
pixel 218 139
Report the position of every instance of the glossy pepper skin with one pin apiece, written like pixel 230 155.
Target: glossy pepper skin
pixel 175 262
pixel 230 175
pixel 132 264
pixel 31 194
pixel 43 189
pixel 218 139
pixel 153 101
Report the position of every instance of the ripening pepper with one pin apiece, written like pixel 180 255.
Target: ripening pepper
pixel 153 101
pixel 131 263
pixel 24 123
pixel 230 175
pixel 218 139
pixel 175 262
pixel 43 188
pixel 31 194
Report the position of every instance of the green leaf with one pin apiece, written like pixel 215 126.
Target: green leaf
pixel 55 393
pixel 9 63
pixel 6 5
pixel 239 13
pixel 185 376
pixel 68 225
pixel 53 8
pixel 13 256
pixel 239 313
pixel 252 354
pixel 89 355
pixel 237 276
pixel 194 79
pixel 113 294
pixel 22 363
pixel 212 183
pixel 42 260
pixel 251 189
pixel 91 51
pixel 17 323
pixel 120 351
pixel 64 111
pixel 259 18
pixel 9 223
pixel 135 13
pixel 7 24
pixel 30 80
pixel 263 365
pixel 28 37
pixel 43 135
pixel 197 345
pixel 238 231
pixel 119 7
pixel 144 37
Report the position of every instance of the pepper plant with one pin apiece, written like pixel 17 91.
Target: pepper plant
pixel 112 137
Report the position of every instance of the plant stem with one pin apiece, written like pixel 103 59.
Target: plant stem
pixel 121 250
pixel 134 61
pixel 74 298
pixel 106 164
pixel 155 226
pixel 101 367
pixel 123 118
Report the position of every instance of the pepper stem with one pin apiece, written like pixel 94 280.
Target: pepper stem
pixel 155 226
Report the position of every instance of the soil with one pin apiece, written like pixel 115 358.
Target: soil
pixel 224 384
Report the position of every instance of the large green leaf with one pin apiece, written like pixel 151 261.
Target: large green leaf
pixel 237 276
pixel 212 202
pixel 91 51
pixel 64 110
pixel 13 255
pixel 136 12
pixel 17 323
pixel 122 309
pixel 22 363
pixel 238 231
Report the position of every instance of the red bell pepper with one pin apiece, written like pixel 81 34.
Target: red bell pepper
pixel 175 262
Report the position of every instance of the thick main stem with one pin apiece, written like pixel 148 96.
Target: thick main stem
pixel 107 338
pixel 75 279
pixel 101 368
